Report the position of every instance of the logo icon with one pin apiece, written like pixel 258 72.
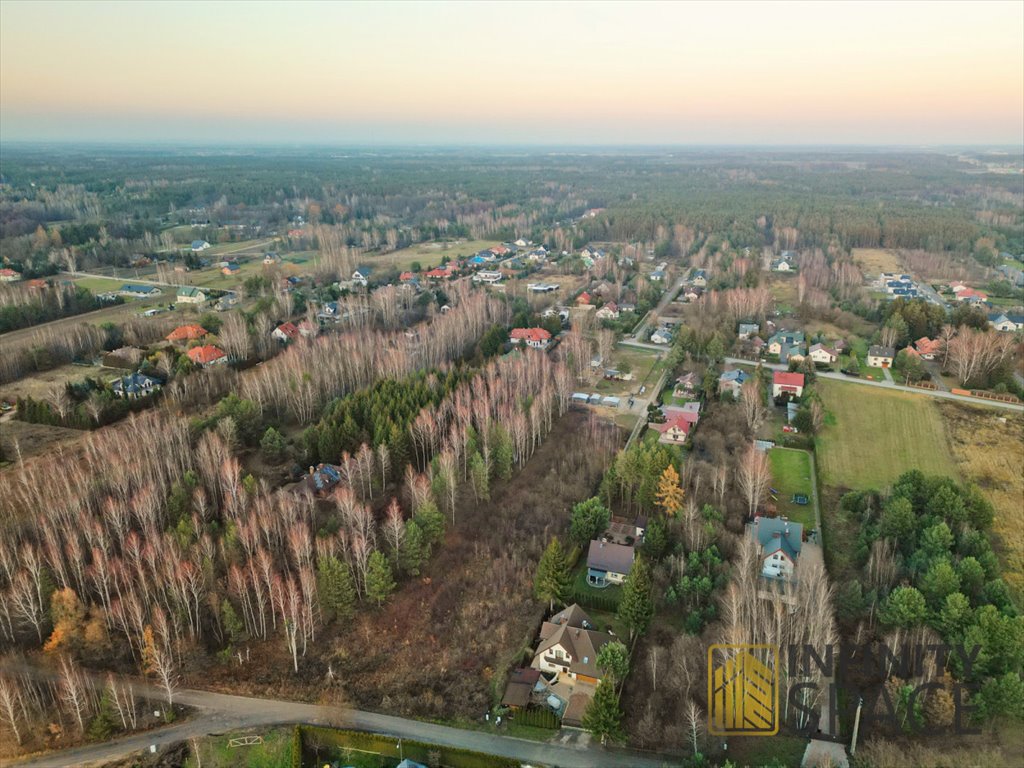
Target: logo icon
pixel 743 690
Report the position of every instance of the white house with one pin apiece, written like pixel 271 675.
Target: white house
pixel 361 276
pixel 487 276
pixel 781 541
pixel 199 245
pixel 1006 323
pixel 881 357
pixel 784 383
pixel 819 353
pixel 608 312
pixel 538 338
pixel 191 295
pixel 568 648
pixel 608 563
pixel 662 336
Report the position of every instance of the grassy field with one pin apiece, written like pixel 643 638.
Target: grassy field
pixel 428 254
pixel 104 284
pixel 646 367
pixel 215 752
pixel 988 448
pixel 872 436
pixel 875 260
pixel 791 473
pixel 39 385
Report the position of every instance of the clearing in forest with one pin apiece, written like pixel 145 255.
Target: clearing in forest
pixel 988 447
pixel 872 436
pixel 876 260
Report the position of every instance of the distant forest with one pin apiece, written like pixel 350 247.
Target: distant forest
pixel 105 206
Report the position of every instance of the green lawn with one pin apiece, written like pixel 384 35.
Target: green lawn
pixel 791 473
pixel 872 436
pixel 611 594
pixel 104 284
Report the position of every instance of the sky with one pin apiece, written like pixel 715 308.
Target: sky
pixel 914 73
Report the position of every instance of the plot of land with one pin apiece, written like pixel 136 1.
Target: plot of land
pixel 19 438
pixel 218 752
pixel 645 367
pixel 39 385
pixel 875 260
pixel 988 448
pixel 791 475
pixel 872 436
pixel 429 254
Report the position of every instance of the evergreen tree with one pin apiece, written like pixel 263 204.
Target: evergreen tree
pixel 552 581
pixel 103 724
pixel 414 550
pixel 273 444
pixel 636 608
pixel 603 717
pixel 590 519
pixel 431 521
pixel 613 658
pixel 503 454
pixel 234 629
pixel 336 588
pixel 479 475
pixel 380 582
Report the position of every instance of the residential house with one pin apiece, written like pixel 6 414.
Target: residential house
pixel 783 264
pixel 407 277
pixel 627 307
pixel 286 332
pixel 746 330
pixel 583 299
pixel 793 340
pixel 231 268
pixel 686 385
pixel 499 250
pixel 781 542
pixel 1014 275
pixel 819 353
pixel 787 383
pixel 927 348
pixel 186 333
pixel 678 423
pixel 8 275
pixel 542 287
pixel 971 296
pixel 608 563
pixel 609 311
pixel 881 357
pixel 271 258
pixel 361 275
pixel 319 480
pixel 191 295
pixel 568 646
pixel 659 272
pixel 662 335
pixel 699 278
pixel 489 277
pixel 692 293
pixel 538 255
pixel 207 355
pixel 538 338
pixel 134 386
pixel 1002 321
pixel 199 245
pixel 139 291
pixel 732 382
pixel 521 687
pixel 442 273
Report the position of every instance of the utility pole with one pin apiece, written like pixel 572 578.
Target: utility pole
pixel 856 726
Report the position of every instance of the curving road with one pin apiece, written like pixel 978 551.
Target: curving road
pixel 218 713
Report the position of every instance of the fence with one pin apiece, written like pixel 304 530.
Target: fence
pixel 320 743
pixel 588 598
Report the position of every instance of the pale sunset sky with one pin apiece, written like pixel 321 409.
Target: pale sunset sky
pixel 911 73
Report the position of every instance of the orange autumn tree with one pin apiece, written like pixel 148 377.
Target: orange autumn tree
pixel 68 616
pixel 670 493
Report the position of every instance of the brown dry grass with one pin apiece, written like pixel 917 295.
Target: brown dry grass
pixel 27 440
pixel 988 448
pixel 39 385
pixel 875 260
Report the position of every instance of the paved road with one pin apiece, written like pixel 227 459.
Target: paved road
pixel 666 298
pixel 887 385
pixel 219 713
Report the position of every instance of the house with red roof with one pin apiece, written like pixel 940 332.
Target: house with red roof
pixel 583 298
pixel 8 275
pixel 207 355
pixel 442 272
pixel 185 333
pixel 788 383
pixel 609 311
pixel 538 338
pixel 971 295
pixel 405 277
pixel 927 348
pixel 286 332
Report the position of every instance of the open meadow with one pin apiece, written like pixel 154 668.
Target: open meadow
pixel 988 447
pixel 791 475
pixel 876 260
pixel 872 436
pixel 427 254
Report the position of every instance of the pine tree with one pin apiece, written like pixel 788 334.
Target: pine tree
pixel 503 454
pixel 636 608
pixel 552 581
pixel 414 549
pixel 336 588
pixel 103 724
pixel 670 493
pixel 380 582
pixel 432 522
pixel 603 717
pixel 479 475
pixel 233 627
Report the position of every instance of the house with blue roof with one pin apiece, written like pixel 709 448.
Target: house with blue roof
pixel 134 386
pixel 320 480
pixel 780 540
pixel 139 291
pixel 199 245
pixel 732 381
pixel 361 275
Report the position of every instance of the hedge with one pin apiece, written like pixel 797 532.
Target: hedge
pixel 388 747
